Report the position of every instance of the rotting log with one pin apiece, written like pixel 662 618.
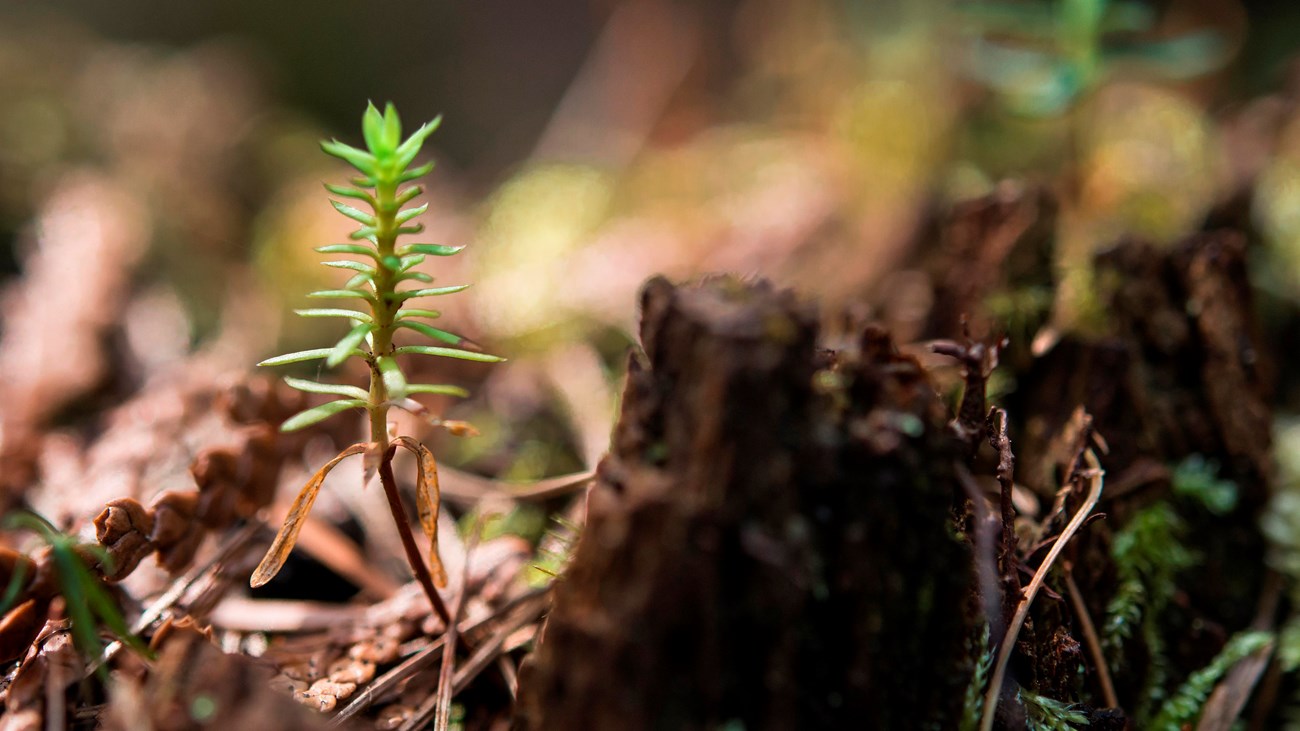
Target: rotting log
pixel 770 541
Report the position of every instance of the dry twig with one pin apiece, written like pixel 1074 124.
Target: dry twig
pixel 1096 474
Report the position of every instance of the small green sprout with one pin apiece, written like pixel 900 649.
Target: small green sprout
pixel 87 602
pixel 384 264
pixel 1044 57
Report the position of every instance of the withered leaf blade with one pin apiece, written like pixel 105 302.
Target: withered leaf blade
pixel 288 535
pixel 428 499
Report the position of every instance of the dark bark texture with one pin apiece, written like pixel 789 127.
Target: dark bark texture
pixel 771 538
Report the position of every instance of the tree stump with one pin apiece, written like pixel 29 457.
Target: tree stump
pixel 770 541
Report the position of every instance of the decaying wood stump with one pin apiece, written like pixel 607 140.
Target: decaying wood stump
pixel 770 540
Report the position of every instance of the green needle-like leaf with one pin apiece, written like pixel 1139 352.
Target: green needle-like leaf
pixel 304 419
pixel 346 192
pixel 410 230
pixel 449 353
pixel 433 332
pixel 347 344
pixel 394 379
pixel 436 388
pixel 432 292
pixel 298 357
pixel 355 266
pixel 341 294
pixel 359 280
pixel 360 249
pixel 430 249
pixel 417 276
pixel 414 173
pixel 329 312
pixel 337 389
pixel 359 216
pixel 409 213
pixel 392 128
pixel 406 312
pixel 407 151
pixel 372 128
pixel 408 194
pixel 365 232
pixel 359 159
pixel 406 262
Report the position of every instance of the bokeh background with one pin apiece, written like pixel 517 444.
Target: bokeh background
pixel 160 174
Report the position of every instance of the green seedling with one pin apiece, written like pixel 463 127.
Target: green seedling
pixel 382 266
pixel 1042 58
pixel 87 602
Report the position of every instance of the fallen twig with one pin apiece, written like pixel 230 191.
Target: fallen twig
pixel 1092 640
pixel 1008 643
pixel 426 656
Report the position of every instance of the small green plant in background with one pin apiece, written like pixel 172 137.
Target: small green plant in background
pixel 382 266
pixel 1150 552
pixel 88 604
pixel 1186 704
pixel 1042 58
pixel 1045 714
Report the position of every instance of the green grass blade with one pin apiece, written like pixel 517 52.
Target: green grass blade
pixel 17 583
pixel 75 601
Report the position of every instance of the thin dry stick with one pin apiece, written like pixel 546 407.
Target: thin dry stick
pixel 417 662
pixel 178 588
pixel 1022 611
pixel 490 650
pixel 509 674
pixel 482 657
pixel 986 568
pixel 413 557
pixel 1093 642
pixel 442 719
pixel 55 708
